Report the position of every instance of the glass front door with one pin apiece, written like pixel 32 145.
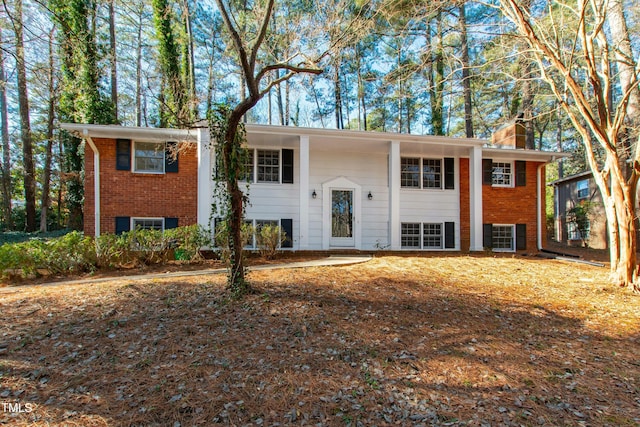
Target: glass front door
pixel 342 218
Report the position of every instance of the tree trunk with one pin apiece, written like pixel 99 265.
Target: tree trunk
pixel 46 176
pixel 466 74
pixel 338 96
pixel 113 58
pixel 25 124
pixel 139 112
pixel 7 191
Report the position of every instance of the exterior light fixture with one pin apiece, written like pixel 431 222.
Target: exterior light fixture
pixel 314 194
pixel 370 196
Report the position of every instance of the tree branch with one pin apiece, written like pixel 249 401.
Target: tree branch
pixel 282 66
pixel 237 41
pixel 261 35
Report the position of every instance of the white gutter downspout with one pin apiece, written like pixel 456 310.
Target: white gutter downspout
pixel 96 181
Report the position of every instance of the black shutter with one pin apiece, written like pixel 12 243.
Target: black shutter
pixel 287 166
pixel 286 225
pixel 487 171
pixel 170 223
pixel 449 173
pixel 171 163
pixel 123 154
pixel 449 235
pixel 521 237
pixel 521 173
pixel 487 235
pixel 123 223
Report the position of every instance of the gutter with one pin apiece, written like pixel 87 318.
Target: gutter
pixel 96 180
pixel 539 203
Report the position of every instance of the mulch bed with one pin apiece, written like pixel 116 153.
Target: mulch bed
pixel 416 341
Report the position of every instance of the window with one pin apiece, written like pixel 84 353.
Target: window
pixel 583 189
pixel 415 235
pixel 410 235
pixel 254 227
pixel 501 174
pixel 268 166
pixel 147 224
pixel 248 166
pixel 502 238
pixel 431 173
pixel 420 173
pixel 410 173
pixel 432 236
pixel 149 157
pixel 575 233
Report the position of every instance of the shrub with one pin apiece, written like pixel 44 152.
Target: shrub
pixel 221 239
pixel 269 239
pixel 189 240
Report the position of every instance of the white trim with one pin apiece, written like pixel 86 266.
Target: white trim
pixel 539 205
pixel 341 183
pixel 303 167
pixel 144 218
pixel 475 199
pixel 96 182
pixel 205 182
pixel 394 195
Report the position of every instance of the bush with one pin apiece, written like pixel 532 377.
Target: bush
pixel 189 240
pixel 269 239
pixel 221 239
pixel 71 253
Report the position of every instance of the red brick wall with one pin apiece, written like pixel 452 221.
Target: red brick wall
pixel 465 206
pixel 124 193
pixel 516 205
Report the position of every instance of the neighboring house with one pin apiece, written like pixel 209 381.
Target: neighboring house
pixel 579 191
pixel 327 189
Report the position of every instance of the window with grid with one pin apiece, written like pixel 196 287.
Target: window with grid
pixel 583 189
pixel 432 236
pixel 502 238
pixel 149 157
pixel 268 165
pixel 502 174
pixel 248 166
pixel 410 172
pixel 147 224
pixel 410 235
pixel 431 173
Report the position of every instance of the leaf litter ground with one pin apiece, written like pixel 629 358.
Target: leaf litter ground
pixel 416 341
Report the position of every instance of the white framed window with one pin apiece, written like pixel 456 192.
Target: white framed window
pixel 147 224
pixel 417 172
pixel 410 235
pixel 583 189
pixel 432 236
pixel 574 232
pixel 256 225
pixel 502 174
pixel 148 157
pixel 416 235
pixel 263 166
pixel 503 238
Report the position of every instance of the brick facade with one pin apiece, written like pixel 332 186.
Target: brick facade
pixel 465 206
pixel 516 205
pixel 124 193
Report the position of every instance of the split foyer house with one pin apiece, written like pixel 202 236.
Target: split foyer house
pixel 327 189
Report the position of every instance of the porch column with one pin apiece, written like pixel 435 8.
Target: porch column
pixel 205 171
pixel 303 240
pixel 394 195
pixel 475 198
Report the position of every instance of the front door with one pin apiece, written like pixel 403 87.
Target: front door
pixel 342 224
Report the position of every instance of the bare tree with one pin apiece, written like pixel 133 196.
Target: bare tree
pixel 248 52
pixel 580 75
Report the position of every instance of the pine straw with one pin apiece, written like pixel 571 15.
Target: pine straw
pixel 437 340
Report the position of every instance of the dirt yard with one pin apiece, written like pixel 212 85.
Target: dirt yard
pixel 411 341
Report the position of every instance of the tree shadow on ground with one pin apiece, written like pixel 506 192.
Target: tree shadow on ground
pixel 374 351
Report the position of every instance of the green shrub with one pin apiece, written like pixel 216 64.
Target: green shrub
pixel 269 239
pixel 189 240
pixel 221 239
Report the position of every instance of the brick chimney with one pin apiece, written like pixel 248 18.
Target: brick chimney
pixel 511 135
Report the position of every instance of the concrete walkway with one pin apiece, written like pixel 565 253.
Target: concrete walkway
pixel 333 260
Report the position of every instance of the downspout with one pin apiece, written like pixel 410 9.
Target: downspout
pixel 96 181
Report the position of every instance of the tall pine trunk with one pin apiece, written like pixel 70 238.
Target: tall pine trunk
pixel 466 74
pixel 46 175
pixel 25 124
pixel 5 179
